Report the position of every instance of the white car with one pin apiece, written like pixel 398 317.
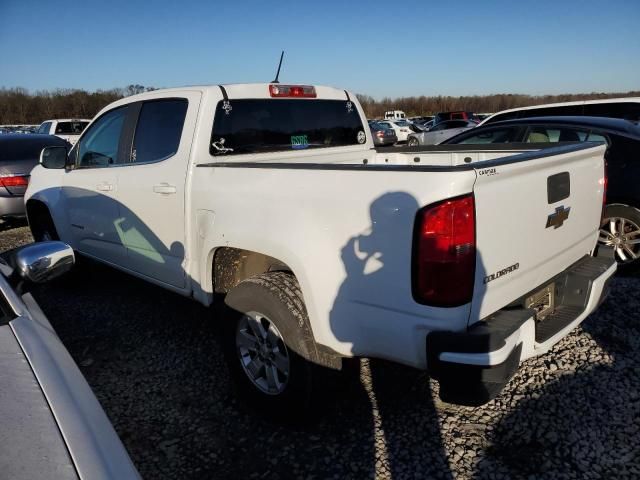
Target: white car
pixel 271 202
pixel 67 128
pixel 440 132
pixel 401 127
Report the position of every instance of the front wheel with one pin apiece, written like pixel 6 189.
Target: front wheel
pixel 266 342
pixel 620 229
pixel 413 142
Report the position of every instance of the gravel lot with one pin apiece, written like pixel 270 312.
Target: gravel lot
pixel 153 361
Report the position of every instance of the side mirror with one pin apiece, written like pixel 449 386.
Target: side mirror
pixel 53 157
pixel 43 261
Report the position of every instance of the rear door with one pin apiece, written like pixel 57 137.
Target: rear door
pixel 151 188
pixel 534 218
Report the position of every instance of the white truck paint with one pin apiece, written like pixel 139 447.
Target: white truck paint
pixel 341 219
pixel 68 129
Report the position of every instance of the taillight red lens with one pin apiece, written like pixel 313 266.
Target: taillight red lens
pixel 15 181
pixel 304 91
pixel 379 134
pixel 444 255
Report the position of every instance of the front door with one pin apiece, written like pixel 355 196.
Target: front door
pixel 89 189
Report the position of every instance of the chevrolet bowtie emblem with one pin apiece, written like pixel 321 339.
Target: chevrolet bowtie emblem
pixel 557 218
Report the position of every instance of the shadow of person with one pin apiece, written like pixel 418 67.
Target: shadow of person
pixel 400 448
pixel 577 408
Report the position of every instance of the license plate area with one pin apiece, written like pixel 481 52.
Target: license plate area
pixel 542 302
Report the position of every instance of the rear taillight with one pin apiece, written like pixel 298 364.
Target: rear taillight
pixel 444 253
pixel 380 134
pixel 15 184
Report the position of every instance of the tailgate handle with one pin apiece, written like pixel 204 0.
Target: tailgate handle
pixel 558 187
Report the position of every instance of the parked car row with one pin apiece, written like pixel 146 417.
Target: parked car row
pixel 68 129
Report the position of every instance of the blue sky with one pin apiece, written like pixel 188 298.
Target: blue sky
pixel 380 48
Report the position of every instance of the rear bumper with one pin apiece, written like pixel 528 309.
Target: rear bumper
pixel 12 206
pixel 473 366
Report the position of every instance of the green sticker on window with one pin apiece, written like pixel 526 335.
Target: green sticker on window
pixel 299 141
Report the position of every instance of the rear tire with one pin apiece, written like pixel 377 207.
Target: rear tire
pixel 620 229
pixel 266 340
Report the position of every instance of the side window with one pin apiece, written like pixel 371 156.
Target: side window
pixel 99 146
pixel 499 135
pixel 440 126
pixel 554 134
pixel 596 137
pixel 158 130
pixel 537 135
pixel 44 128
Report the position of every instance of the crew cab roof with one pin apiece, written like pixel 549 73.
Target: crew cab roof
pixel 244 90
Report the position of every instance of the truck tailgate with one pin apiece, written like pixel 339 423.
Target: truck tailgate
pixel 536 215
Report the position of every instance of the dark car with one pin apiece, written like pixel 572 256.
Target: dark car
pixel 457 115
pixel 382 135
pixel 621 223
pixel 18 155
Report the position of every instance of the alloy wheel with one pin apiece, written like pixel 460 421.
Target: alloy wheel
pixel 623 235
pixel 262 353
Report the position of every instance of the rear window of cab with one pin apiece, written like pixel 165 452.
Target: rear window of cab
pixel 277 125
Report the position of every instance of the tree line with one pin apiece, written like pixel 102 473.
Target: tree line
pixel 20 107
pixel 423 105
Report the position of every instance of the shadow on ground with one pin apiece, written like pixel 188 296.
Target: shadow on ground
pixel 584 421
pixel 153 361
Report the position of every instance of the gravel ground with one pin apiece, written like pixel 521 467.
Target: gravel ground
pixel 153 361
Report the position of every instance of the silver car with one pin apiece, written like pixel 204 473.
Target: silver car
pixel 51 424
pixel 18 155
pixel 440 132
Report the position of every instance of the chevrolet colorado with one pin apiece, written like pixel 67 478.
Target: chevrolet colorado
pixel 272 201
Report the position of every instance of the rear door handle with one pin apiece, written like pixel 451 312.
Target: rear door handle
pixel 104 187
pixel 164 188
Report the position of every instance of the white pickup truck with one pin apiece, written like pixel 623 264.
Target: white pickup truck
pixel 68 129
pixel 273 200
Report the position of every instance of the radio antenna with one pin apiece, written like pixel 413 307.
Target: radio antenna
pixel 279 65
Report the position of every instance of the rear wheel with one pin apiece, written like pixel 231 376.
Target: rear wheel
pixel 266 341
pixel 620 229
